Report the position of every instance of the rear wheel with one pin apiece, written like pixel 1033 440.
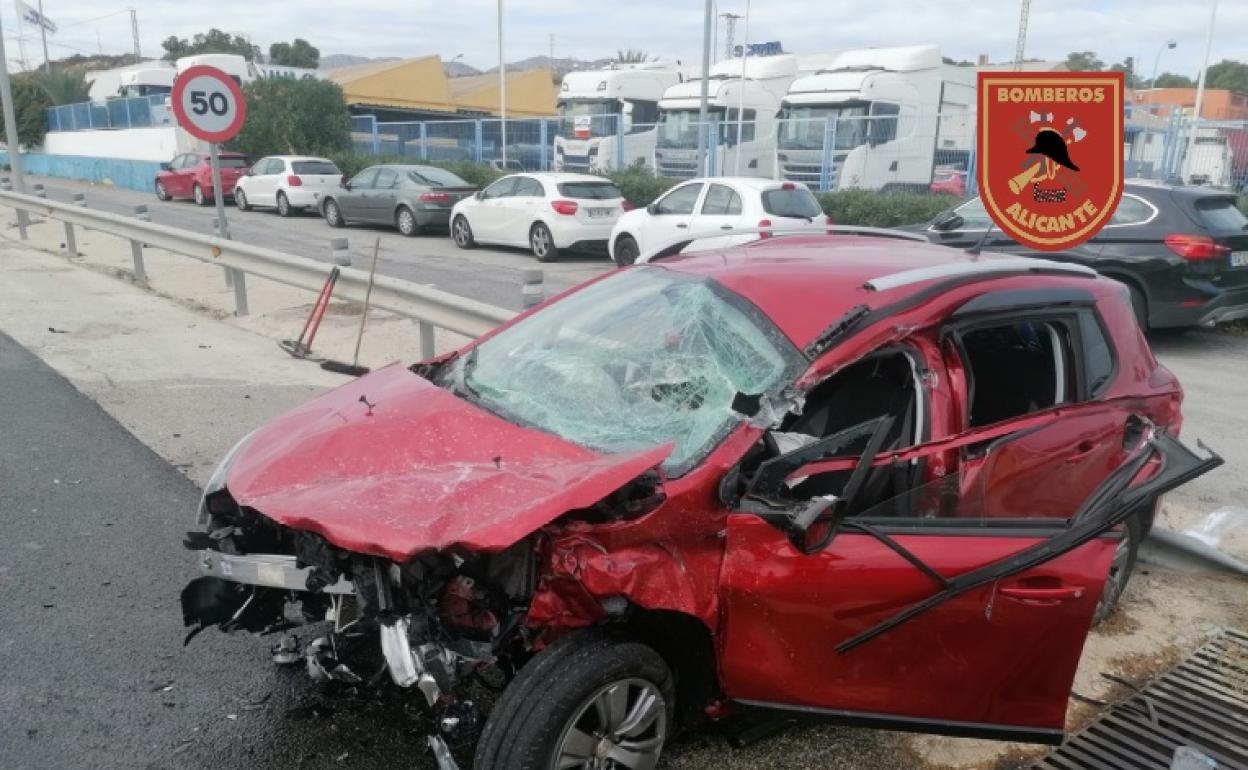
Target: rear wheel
pixel 626 251
pixel 461 231
pixel 405 220
pixel 197 193
pixel 590 700
pixel 1120 569
pixel 543 243
pixel 333 215
pixel 162 193
pixel 283 205
pixel 240 200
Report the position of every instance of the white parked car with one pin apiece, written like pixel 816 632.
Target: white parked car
pixel 548 213
pixel 288 183
pixel 702 207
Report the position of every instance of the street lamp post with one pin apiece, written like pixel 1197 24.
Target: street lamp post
pixel 704 91
pixel 1200 89
pixel 1170 44
pixel 502 89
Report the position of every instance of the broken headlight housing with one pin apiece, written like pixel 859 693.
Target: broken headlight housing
pixel 216 482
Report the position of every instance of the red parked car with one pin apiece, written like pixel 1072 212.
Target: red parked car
pixel 875 481
pixel 190 176
pixel 949 180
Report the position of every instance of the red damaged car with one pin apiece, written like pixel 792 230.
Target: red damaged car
pixel 870 480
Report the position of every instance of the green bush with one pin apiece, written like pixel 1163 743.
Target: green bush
pixel 867 208
pixel 286 117
pixel 640 186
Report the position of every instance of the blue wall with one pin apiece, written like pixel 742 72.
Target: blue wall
pixel 127 174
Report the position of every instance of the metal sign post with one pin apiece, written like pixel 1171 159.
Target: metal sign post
pixel 214 155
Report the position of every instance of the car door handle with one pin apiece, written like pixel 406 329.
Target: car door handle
pixel 682 225
pixel 725 227
pixel 1046 594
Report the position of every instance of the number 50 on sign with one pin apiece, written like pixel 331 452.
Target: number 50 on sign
pixel 208 104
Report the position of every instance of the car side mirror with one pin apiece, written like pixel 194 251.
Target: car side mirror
pixel 479 195
pixel 346 184
pixel 948 221
pixel 652 209
pixel 166 166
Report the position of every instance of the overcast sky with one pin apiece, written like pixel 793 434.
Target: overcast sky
pixel 669 28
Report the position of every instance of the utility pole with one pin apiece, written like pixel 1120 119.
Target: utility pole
pixel 1021 45
pixel 730 33
pixel 134 30
pixel 703 128
pixel 43 32
pixel 502 88
pixel 1200 91
pixel 745 52
pixel 11 141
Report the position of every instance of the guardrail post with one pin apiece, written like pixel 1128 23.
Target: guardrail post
pixel 39 192
pixel 71 243
pixel 533 290
pixel 6 184
pixel 338 252
pixel 136 246
pixel 229 272
pixel 426 339
pixel 240 293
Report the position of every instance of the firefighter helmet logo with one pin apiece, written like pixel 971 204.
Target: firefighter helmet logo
pixel 1050 154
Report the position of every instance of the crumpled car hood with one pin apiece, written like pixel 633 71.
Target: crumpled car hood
pixel 419 469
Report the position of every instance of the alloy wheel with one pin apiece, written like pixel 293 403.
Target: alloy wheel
pixel 332 214
pixel 540 241
pixel 463 236
pixel 407 221
pixel 621 725
pixel 1119 572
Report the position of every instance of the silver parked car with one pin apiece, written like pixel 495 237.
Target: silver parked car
pixel 411 198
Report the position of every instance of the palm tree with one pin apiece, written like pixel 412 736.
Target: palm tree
pixel 631 57
pixel 63 86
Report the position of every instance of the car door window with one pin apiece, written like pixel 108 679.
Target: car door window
pixel 679 201
pixel 1016 367
pixel 276 166
pixel 528 187
pixel 1132 211
pixel 386 179
pixel 177 163
pixel 365 179
pixel 500 189
pixel 721 200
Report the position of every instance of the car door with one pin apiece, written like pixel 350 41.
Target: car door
pixel 261 186
pixel 669 217
pixel 179 184
pixel 351 197
pixel 486 216
pixel 958 604
pixel 378 202
pixel 719 210
pixel 520 210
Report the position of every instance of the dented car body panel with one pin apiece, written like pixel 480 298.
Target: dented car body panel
pixel 842 503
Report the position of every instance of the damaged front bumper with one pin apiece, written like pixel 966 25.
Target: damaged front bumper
pixel 267 570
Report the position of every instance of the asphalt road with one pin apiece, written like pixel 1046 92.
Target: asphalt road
pixel 485 274
pixel 92 668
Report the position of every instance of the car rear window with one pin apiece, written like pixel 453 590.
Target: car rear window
pixel 594 191
pixel 436 177
pixel 234 163
pixel 797 202
pixel 1220 213
pixel 314 167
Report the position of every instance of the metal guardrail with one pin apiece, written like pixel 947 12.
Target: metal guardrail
pixel 429 307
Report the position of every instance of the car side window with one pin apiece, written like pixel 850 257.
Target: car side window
pixel 974 215
pixel 528 187
pixel 500 189
pixel 1098 355
pixel 269 166
pixel 179 162
pixel 1016 367
pixel 364 180
pixel 1132 211
pixel 386 178
pixel 721 200
pixel 680 201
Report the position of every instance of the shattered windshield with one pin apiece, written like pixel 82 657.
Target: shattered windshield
pixel 643 358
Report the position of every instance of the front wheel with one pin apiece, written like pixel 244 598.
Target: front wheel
pixel 543 243
pixel 590 700
pixel 333 215
pixel 461 232
pixel 162 193
pixel 200 199
pixel 626 251
pixel 240 200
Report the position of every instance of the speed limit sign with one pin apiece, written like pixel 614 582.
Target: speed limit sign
pixel 208 104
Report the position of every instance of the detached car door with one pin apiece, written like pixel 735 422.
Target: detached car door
pixel 926 611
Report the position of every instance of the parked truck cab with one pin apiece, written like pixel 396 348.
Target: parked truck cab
pixel 877 119
pixel 757 96
pixel 592 104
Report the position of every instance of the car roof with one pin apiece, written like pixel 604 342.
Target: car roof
pixel 557 177
pixel 297 157
pixel 804 283
pixel 752 182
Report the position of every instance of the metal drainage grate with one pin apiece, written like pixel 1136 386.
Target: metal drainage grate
pixel 1202 703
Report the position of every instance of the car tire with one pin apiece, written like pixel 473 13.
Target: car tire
pixel 1139 304
pixel 550 709
pixel 332 214
pixel 405 221
pixel 542 243
pixel 162 193
pixel 461 233
pixel 197 193
pixel 1126 551
pixel 240 200
pixel 284 209
pixel 626 250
